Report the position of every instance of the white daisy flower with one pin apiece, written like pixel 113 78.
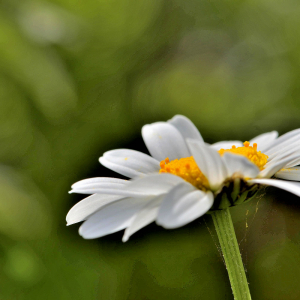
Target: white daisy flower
pixel 183 178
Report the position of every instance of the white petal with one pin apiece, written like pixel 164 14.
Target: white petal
pixel 113 191
pixel 285 149
pixel 240 165
pixel 273 167
pixel 283 140
pixel 111 218
pixel 182 205
pixel 264 140
pixel 129 163
pixel 292 187
pixel 293 163
pixel 186 127
pixel 209 162
pixel 100 186
pixel 164 140
pixel 150 185
pixel 144 217
pixel 100 181
pixel 282 155
pixel 226 145
pixel 289 174
pixel 154 184
pixel 80 211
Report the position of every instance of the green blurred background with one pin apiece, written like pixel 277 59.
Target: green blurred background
pixel 78 78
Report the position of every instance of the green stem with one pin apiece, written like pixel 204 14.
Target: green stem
pixel 231 253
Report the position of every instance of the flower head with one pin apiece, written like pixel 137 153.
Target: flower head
pixel 183 178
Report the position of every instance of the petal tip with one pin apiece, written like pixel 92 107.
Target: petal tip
pixel 125 238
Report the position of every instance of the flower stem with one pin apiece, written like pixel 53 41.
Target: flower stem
pixel 231 253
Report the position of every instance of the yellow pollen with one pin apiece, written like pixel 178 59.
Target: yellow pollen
pixel 187 169
pixel 258 158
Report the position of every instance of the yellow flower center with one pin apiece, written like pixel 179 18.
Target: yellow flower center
pixel 256 157
pixel 187 168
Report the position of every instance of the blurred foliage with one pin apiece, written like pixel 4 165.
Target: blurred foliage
pixel 78 78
